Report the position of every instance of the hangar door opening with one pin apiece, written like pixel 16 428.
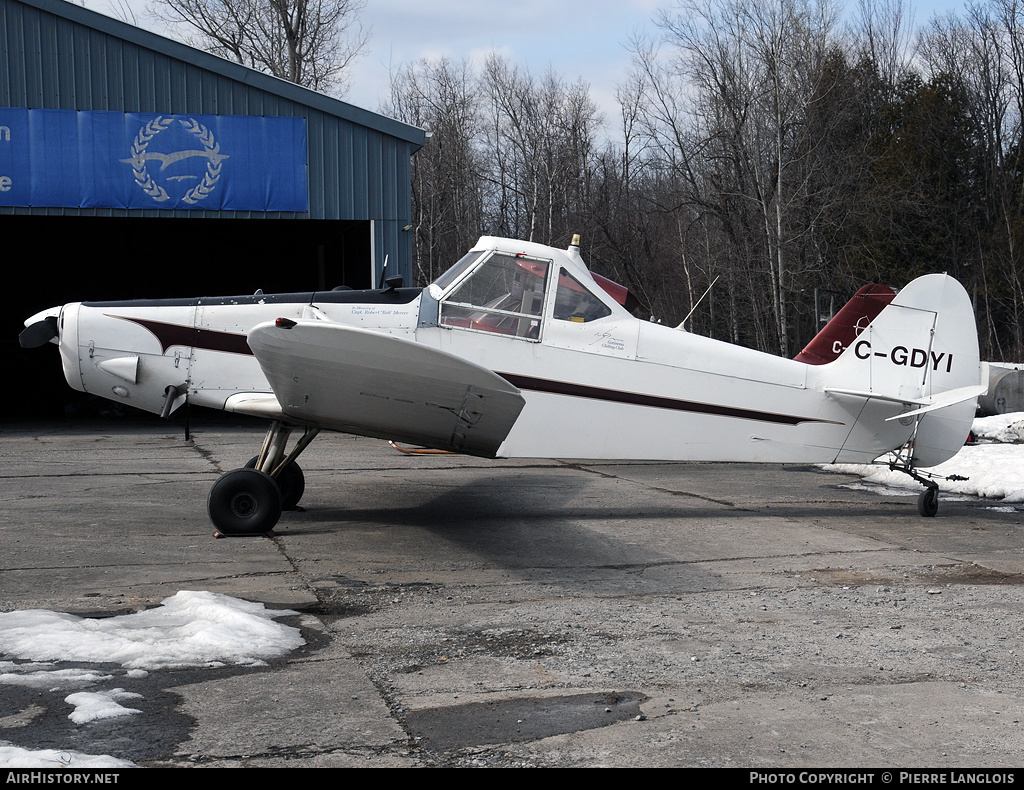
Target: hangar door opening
pixel 66 259
pixel 130 257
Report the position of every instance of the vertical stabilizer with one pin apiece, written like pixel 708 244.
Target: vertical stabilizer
pixel 918 358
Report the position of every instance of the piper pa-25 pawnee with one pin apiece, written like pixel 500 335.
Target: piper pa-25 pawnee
pixel 518 351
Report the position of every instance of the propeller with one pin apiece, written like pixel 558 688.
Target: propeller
pixel 39 334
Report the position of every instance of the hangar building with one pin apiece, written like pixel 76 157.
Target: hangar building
pixel 132 166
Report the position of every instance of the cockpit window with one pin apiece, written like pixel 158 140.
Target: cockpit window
pixel 574 302
pixel 462 265
pixel 505 295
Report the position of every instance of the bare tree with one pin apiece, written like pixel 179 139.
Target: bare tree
pixel 883 33
pixel 729 102
pixel 441 96
pixel 541 142
pixel 308 42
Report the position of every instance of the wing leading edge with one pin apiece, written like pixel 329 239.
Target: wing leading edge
pixel 363 382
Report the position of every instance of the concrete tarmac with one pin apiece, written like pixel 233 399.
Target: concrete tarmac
pixel 464 612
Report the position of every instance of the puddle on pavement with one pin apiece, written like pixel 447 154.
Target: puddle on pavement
pixel 505 721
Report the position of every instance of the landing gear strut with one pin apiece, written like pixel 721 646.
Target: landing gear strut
pixel 249 501
pixel 290 480
pixel 928 501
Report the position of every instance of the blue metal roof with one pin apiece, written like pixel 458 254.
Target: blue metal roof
pixel 57 55
pixel 118 59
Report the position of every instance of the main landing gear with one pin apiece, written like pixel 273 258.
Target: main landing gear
pixel 249 501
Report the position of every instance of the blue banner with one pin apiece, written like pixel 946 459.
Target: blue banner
pixel 94 159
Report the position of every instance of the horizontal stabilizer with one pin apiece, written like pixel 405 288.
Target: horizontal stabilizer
pixel 948 398
pixel 372 384
pixel 868 395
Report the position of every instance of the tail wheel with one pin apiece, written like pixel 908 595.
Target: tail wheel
pixel 928 502
pixel 290 480
pixel 244 502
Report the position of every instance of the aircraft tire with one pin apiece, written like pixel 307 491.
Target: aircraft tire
pixel 291 481
pixel 244 502
pixel 928 502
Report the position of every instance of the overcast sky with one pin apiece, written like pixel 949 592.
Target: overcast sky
pixel 579 39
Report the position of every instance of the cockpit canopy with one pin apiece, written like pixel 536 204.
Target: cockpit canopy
pixel 494 290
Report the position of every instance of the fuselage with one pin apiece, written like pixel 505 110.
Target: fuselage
pixel 598 383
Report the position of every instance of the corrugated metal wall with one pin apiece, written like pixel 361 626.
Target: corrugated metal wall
pixel 56 55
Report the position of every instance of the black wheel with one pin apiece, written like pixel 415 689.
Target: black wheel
pixel 928 502
pixel 244 502
pixel 291 481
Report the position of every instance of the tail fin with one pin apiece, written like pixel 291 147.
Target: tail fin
pixel 916 362
pixel 845 325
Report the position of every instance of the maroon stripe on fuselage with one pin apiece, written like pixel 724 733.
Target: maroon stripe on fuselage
pixel 179 335
pixel 229 342
pixel 654 401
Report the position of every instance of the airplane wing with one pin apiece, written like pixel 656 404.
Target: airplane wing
pixel 371 384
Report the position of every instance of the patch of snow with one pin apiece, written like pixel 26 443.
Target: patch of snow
pixel 1003 428
pixel 44 676
pixel 93 705
pixel 16 757
pixel 187 629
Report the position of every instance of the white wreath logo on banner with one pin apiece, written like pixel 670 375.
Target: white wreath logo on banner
pixel 142 156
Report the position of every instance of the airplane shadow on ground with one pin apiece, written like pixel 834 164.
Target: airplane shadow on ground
pixel 537 520
pixel 558 520
pixel 553 500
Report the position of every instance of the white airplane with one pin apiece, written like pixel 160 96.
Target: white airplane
pixel 519 351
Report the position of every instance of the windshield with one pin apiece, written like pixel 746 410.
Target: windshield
pixel 456 271
pixel 504 295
